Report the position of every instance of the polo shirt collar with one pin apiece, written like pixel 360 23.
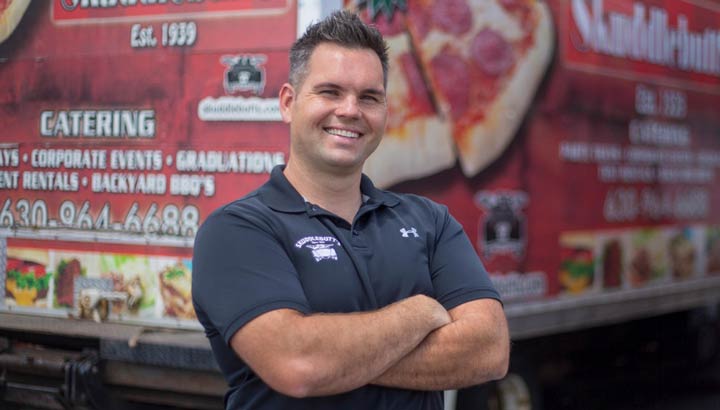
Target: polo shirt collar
pixel 281 196
pixel 377 195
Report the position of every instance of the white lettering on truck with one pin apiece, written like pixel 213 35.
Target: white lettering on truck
pixel 98 123
pixel 72 5
pixel 647 36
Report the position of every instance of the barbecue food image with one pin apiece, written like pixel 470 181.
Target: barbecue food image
pixel 612 263
pixel 133 275
pixel 134 289
pixel 67 271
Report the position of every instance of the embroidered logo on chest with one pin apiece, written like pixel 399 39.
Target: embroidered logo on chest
pixel 407 232
pixel 320 247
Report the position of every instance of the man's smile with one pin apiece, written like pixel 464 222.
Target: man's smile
pixel 343 133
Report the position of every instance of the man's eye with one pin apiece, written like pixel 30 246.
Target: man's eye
pixel 372 99
pixel 329 92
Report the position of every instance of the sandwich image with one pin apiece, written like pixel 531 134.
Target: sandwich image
pixel 26 282
pixel 577 262
pixel 175 282
pixel 648 259
pixel 683 255
pixel 577 269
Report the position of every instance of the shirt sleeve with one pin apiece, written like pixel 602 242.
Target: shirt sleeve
pixel 457 273
pixel 240 271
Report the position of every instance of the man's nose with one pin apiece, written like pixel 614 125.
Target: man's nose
pixel 348 107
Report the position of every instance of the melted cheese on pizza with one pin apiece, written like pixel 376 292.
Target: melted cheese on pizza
pixel 485 15
pixel 483 60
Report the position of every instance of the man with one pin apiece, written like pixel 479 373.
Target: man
pixel 319 291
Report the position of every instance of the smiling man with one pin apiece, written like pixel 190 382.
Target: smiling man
pixel 320 291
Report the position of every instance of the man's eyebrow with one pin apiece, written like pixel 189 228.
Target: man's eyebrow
pixel 326 85
pixel 372 91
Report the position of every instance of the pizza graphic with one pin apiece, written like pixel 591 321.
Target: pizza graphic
pixel 465 73
pixel 11 11
pixel 416 142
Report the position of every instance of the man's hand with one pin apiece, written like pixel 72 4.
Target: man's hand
pixel 325 354
pixel 435 310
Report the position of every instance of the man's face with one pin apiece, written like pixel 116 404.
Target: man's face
pixel 337 115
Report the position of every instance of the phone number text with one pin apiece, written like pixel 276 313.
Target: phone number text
pixel 152 219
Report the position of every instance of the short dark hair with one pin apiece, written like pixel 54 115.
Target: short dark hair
pixel 343 28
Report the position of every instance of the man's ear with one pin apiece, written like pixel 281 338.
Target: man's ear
pixel 287 98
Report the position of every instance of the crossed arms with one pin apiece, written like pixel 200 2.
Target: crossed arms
pixel 413 344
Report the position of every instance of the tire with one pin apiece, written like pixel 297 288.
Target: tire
pixel 518 390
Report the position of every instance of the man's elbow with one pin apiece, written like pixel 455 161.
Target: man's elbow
pixel 294 378
pixel 499 352
pixel 501 363
pixel 302 377
pixel 495 361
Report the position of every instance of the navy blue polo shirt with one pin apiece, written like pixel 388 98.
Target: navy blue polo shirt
pixel 272 250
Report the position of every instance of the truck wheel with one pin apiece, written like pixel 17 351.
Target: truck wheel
pixel 706 344
pixel 703 335
pixel 518 390
pixel 514 393
pixel 510 393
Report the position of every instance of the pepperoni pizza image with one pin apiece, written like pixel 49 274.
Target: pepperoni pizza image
pixel 481 62
pixel 416 142
pixel 11 11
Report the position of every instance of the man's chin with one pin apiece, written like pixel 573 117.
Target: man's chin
pixel 344 165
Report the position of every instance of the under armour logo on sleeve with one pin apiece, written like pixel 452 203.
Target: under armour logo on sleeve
pixel 407 232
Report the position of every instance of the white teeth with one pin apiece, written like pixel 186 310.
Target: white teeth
pixel 343 133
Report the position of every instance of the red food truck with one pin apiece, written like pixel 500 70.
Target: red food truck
pixel 577 141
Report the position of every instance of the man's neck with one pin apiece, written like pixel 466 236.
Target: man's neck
pixel 337 193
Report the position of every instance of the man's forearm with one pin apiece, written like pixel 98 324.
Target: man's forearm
pixel 325 354
pixel 473 349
